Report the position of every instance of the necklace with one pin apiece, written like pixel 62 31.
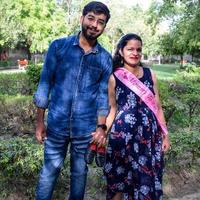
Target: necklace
pixel 137 73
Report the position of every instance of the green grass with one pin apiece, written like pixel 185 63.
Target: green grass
pixel 165 71
pixel 14 98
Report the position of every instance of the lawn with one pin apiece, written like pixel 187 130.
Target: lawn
pixel 165 71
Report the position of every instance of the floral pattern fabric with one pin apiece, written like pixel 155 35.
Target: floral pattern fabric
pixel 134 158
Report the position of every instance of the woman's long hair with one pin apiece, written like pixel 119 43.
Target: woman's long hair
pixel 118 60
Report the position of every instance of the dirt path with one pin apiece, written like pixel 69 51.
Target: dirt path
pixel 195 196
pixel 182 185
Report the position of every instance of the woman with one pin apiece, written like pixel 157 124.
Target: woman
pixel 138 135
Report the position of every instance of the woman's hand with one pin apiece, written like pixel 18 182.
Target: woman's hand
pixel 166 143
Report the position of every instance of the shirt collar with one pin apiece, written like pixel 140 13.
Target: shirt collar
pixel 95 49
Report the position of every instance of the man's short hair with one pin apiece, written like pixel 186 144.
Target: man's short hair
pixel 98 8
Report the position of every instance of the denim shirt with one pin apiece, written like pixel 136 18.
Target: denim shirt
pixel 74 87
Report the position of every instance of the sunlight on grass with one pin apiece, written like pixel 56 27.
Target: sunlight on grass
pixel 165 71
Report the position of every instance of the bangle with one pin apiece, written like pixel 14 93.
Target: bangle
pixel 103 126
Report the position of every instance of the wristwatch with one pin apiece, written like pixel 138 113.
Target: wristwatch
pixel 103 126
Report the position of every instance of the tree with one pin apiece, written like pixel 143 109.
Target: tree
pixel 184 31
pixel 31 24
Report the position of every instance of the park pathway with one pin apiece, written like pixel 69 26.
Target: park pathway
pixel 8 71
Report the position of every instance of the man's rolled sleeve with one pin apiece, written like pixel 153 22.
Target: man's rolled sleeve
pixel 40 102
pixel 103 105
pixel 41 97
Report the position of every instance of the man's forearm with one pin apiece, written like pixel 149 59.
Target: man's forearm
pixel 40 115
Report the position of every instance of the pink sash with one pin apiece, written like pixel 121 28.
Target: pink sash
pixel 131 81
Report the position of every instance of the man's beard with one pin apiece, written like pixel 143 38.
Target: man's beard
pixel 87 36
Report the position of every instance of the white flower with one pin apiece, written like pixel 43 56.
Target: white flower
pixel 148 84
pixel 134 165
pixel 145 120
pixel 130 175
pixel 130 119
pixel 123 152
pixel 108 167
pixel 120 186
pixel 120 170
pixel 128 137
pixel 140 130
pixel 158 185
pixel 118 91
pixel 142 160
pixel 131 99
pixel 136 147
pixel 144 189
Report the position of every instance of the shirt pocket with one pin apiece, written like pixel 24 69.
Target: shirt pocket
pixel 91 78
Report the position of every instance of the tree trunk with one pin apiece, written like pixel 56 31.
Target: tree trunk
pixel 28 52
pixel 181 61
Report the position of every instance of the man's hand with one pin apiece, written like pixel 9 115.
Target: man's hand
pixel 99 137
pixel 40 132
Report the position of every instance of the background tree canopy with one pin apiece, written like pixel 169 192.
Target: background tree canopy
pixel 33 24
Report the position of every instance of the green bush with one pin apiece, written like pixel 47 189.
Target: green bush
pixel 20 83
pixel 166 97
pixel 180 99
pixel 185 149
pixel 18 115
pixel 6 63
pixel 20 162
pixel 15 83
pixel 20 157
pixel 186 90
pixel 33 72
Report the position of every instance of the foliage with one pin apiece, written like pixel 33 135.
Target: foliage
pixel 20 161
pixel 168 104
pixel 21 83
pixel 184 145
pixel 33 72
pixel 183 36
pixel 17 115
pixel 186 88
pixel 6 63
pixel 15 83
pixel 20 157
pixel 180 96
pixel 32 24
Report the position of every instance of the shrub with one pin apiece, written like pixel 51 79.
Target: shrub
pixel 186 89
pixel 166 97
pixel 18 115
pixel 185 147
pixel 20 162
pixel 20 157
pixel 6 63
pixel 15 83
pixel 180 99
pixel 33 72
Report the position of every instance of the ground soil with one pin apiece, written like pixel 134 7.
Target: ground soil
pixel 179 184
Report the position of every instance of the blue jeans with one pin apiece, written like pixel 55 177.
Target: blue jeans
pixel 55 150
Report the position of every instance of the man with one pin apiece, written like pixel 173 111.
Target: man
pixel 75 77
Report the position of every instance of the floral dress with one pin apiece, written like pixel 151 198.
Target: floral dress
pixel 134 158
